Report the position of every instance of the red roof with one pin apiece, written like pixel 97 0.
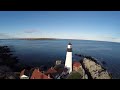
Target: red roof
pixel 76 64
pixel 45 77
pixel 51 70
pixel 22 72
pixel 38 75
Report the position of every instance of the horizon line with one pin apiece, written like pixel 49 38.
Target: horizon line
pixel 54 39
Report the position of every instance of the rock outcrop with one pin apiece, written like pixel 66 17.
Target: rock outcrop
pixel 95 69
pixel 6 73
pixel 8 64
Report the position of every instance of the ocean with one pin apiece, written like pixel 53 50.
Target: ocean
pixel 37 52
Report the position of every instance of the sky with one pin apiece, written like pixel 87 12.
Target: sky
pixel 86 25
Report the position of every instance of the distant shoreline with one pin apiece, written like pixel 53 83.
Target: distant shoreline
pixel 30 39
pixel 54 39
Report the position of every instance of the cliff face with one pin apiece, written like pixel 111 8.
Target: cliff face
pixel 95 69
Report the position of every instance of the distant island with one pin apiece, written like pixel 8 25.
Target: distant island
pixel 30 39
pixel 37 39
pixel 53 39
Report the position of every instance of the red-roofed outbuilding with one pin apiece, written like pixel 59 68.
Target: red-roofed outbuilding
pixel 76 65
pixel 38 75
pixel 22 72
pixel 51 70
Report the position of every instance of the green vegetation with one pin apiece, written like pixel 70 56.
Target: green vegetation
pixel 74 75
pixel 35 38
pixel 80 71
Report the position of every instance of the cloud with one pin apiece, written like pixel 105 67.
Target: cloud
pixel 116 40
pixel 111 38
pixel 5 35
pixel 31 31
pixel 101 38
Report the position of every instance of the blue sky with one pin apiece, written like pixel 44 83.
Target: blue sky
pixel 88 25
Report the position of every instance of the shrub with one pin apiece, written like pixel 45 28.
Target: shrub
pixel 74 75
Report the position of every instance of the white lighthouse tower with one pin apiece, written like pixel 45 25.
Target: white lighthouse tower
pixel 68 61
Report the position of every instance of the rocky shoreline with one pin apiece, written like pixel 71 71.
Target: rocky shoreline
pixel 9 64
pixel 93 68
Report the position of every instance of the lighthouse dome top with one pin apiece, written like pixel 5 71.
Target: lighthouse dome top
pixel 69 43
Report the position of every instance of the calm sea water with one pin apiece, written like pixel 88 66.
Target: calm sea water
pixel 43 51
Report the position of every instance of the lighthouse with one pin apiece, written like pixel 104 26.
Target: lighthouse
pixel 68 61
